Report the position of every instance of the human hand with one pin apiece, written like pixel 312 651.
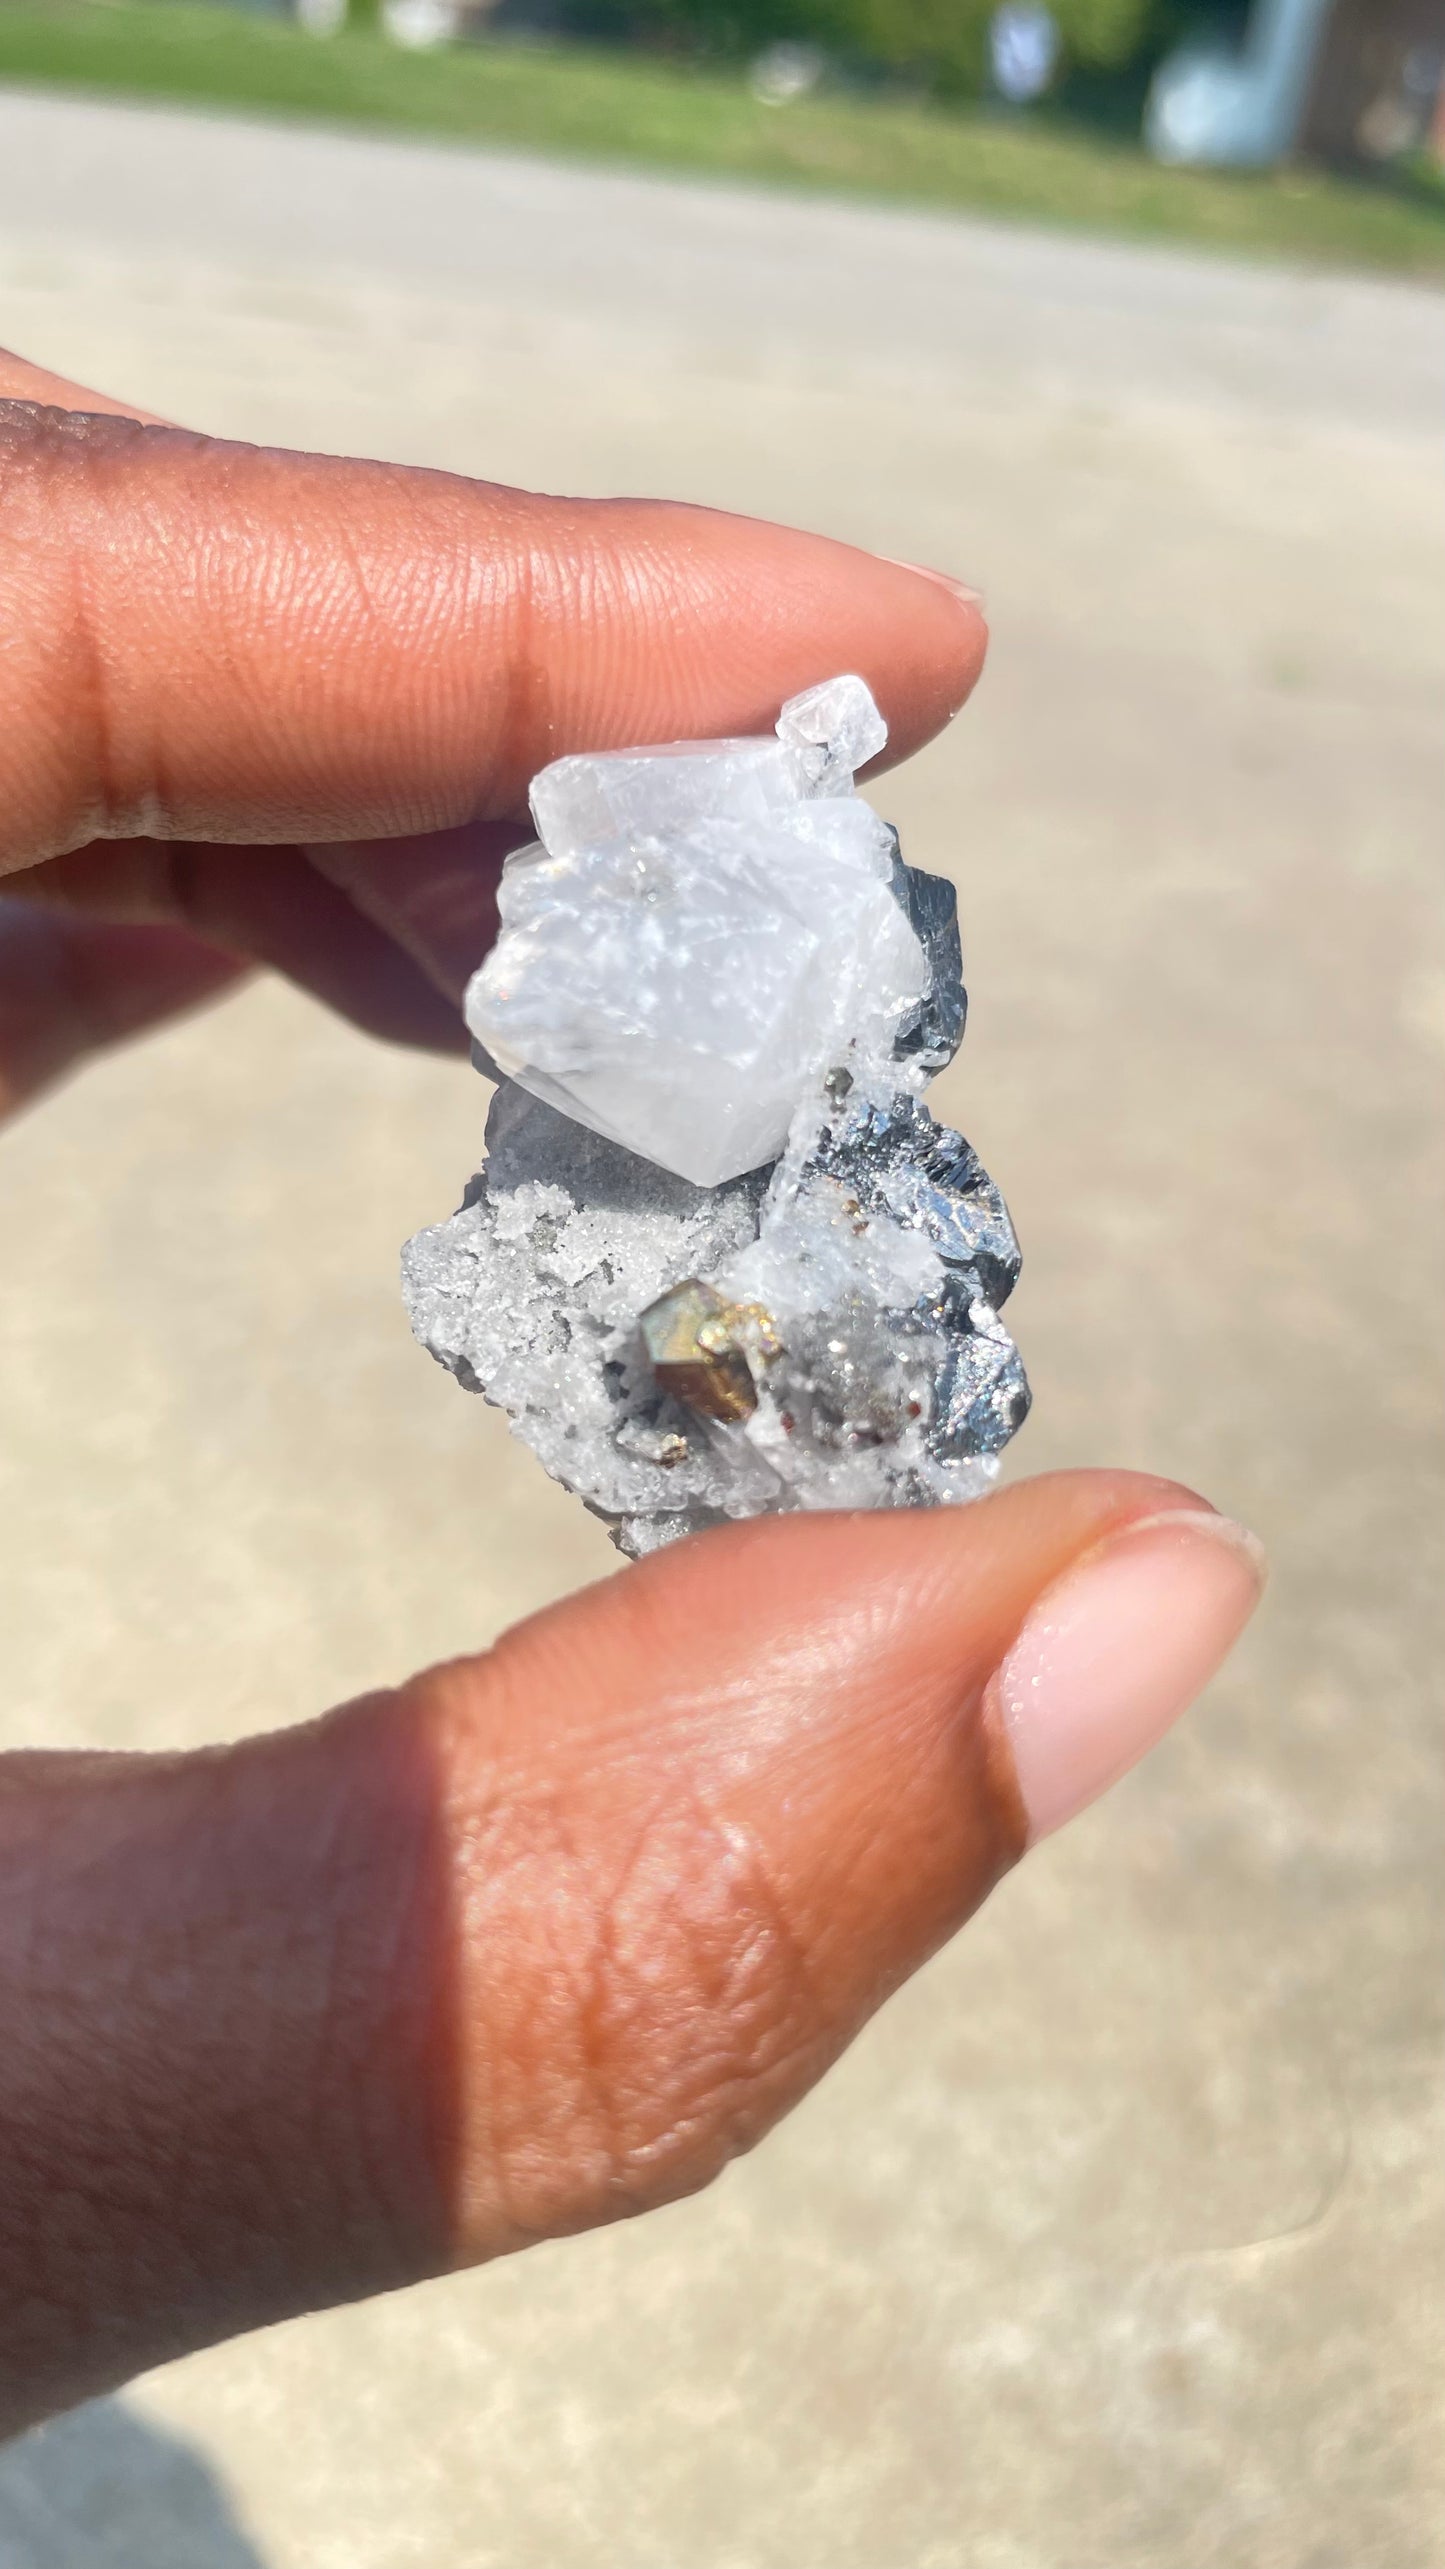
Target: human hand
pixel 285 709
pixel 545 1936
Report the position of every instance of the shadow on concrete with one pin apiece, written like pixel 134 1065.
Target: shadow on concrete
pixel 101 2489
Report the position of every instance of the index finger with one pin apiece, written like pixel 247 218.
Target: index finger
pixel 216 641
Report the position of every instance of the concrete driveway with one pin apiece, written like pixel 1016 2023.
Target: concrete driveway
pixel 1117 2243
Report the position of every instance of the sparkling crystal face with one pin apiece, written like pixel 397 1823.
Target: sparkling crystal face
pixel 701 931
pixel 647 794
pixel 679 1355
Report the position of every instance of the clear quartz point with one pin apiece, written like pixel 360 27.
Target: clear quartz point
pixel 833 730
pixel 721 1260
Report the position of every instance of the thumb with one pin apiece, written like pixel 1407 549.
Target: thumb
pixel 545 1937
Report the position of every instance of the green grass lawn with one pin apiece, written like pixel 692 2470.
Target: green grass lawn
pixel 623 108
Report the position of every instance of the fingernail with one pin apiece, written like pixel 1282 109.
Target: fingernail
pixel 940 579
pixel 1116 1650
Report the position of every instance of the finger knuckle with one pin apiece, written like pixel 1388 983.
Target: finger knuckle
pixel 670 2019
pixel 63 777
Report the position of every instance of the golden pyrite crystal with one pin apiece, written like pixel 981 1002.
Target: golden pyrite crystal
pixel 699 1346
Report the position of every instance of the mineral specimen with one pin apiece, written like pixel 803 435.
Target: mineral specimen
pixel 721 1259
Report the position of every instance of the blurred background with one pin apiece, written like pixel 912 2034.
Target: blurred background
pixel 1116 2242
pixel 1327 113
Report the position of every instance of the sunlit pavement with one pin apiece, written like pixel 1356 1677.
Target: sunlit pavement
pixel 1116 2243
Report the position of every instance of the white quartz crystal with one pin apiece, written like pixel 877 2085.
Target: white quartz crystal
pixel 701 931
pixel 580 803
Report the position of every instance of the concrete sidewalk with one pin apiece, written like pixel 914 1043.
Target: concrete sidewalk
pixel 1116 2243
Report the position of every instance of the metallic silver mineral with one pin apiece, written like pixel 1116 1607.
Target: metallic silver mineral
pixel 720 1259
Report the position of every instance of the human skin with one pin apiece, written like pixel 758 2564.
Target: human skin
pixel 545 1936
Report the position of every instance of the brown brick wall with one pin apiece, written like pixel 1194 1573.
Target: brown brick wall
pixel 1378 84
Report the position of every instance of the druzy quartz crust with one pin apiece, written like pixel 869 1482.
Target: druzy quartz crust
pixel 720 1259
